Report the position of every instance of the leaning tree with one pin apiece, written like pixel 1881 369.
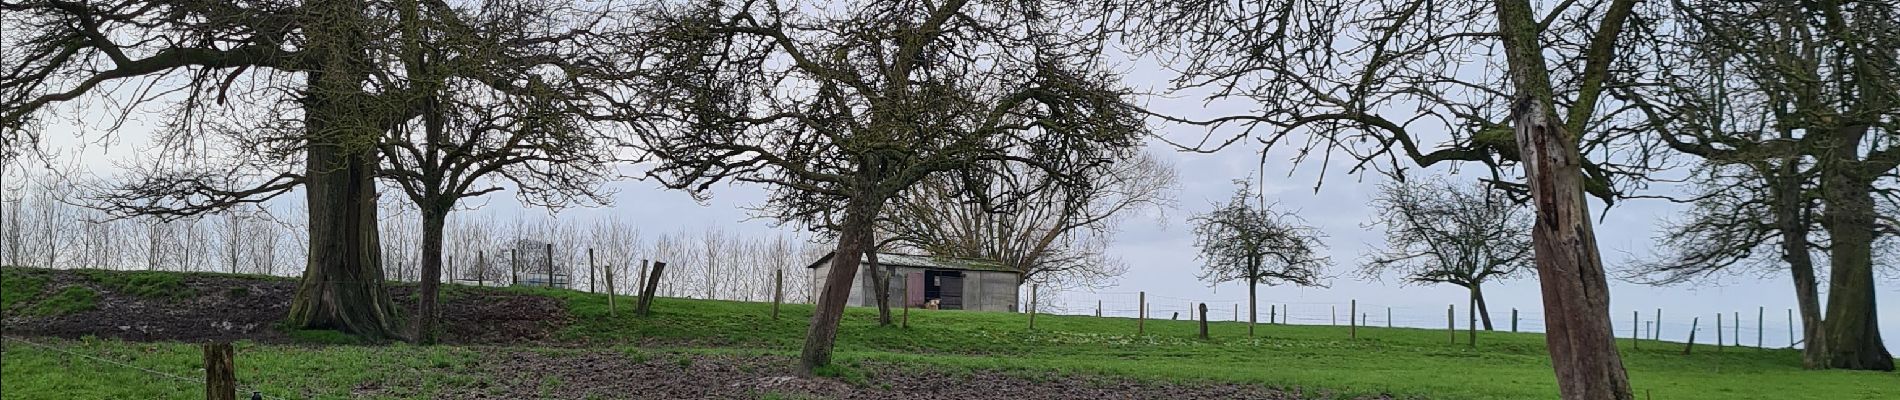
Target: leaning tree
pixel 840 107
pixel 1249 242
pixel 1510 84
pixel 1436 232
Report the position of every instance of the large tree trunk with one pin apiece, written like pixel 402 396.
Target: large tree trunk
pixel 1484 312
pixel 1790 219
pixel 1852 328
pixel 1569 267
pixel 433 219
pixel 837 289
pixel 342 286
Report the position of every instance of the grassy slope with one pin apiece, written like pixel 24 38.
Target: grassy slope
pixel 1407 362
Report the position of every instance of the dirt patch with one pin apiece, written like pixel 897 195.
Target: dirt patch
pixel 509 374
pixel 227 308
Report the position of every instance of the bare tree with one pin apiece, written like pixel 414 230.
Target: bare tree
pixel 842 107
pixel 1057 236
pixel 1800 98
pixel 1240 241
pixel 1437 232
pixel 1437 61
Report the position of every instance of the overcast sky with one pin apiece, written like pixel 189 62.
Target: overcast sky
pixel 1158 247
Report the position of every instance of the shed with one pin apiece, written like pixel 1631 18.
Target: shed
pixel 956 283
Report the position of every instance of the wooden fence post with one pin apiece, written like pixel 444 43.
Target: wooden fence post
pixel 1032 306
pixel 778 295
pixel 1513 320
pixel 1738 328
pixel 1791 329
pixel 1098 308
pixel 1236 312
pixel 1451 324
pixel 1691 345
pixel 653 285
pixel 1636 336
pixel 550 258
pixel 1657 333
pixel 1335 315
pixel 220 374
pixel 1141 314
pixel 907 313
pixel 514 268
pixel 613 308
pixel 641 280
pixel 1353 333
pixel 1203 321
pixel 481 267
pixel 1272 313
pixel 1718 332
pixel 1759 313
pixel 591 267
pixel 1388 317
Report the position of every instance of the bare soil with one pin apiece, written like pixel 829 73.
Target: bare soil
pixel 227 308
pixel 513 374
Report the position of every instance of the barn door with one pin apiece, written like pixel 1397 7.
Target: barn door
pixel 951 286
pixel 914 289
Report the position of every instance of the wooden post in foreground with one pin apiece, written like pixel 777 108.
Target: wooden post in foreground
pixel 1203 321
pixel 1759 312
pixel 653 285
pixel 1141 314
pixel 220 374
pixel 1388 317
pixel 641 277
pixel 1691 345
pixel 1272 313
pixel 514 268
pixel 778 295
pixel 1718 331
pixel 1098 308
pixel 1791 340
pixel 1513 320
pixel 1353 333
pixel 1657 333
pixel 591 267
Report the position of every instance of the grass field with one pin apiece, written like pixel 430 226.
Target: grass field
pixel 1406 363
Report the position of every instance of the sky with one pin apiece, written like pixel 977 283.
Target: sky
pixel 1158 245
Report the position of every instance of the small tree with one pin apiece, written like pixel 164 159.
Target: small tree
pixel 841 107
pixel 1243 242
pixel 1442 233
pixel 1056 237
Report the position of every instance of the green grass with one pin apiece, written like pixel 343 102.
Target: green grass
pixel 18 285
pixel 67 301
pixel 146 284
pixel 1320 359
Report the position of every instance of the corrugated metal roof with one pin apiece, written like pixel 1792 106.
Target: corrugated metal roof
pixel 926 261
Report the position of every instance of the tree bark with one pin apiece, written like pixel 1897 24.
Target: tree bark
pixel 1790 206
pixel 881 279
pixel 823 333
pixel 1852 326
pixel 1570 269
pixel 433 220
pixel 1484 312
pixel 1253 284
pixel 342 286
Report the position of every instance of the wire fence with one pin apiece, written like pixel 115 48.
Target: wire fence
pixel 1754 327
pixel 197 384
